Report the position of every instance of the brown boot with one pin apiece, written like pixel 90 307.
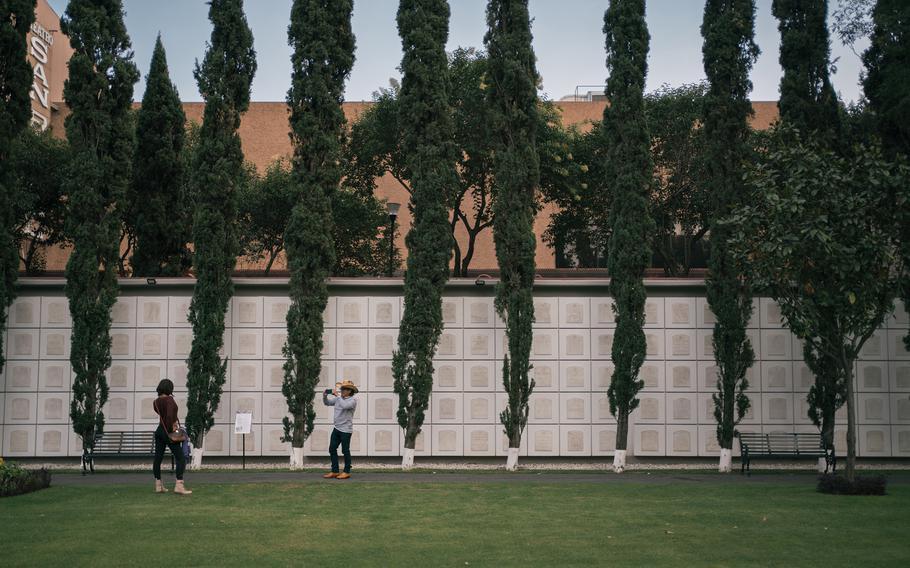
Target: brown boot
pixel 330 475
pixel 179 489
pixel 159 487
pixel 344 475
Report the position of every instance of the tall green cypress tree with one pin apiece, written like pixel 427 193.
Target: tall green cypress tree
pixel 320 34
pixel 887 86
pixel 99 92
pixel 512 99
pixel 809 105
pixel 16 16
pixel 162 213
pixel 428 143
pixel 630 169
pixel 729 51
pixel 224 79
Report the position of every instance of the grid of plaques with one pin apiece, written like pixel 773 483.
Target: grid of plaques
pixel 569 410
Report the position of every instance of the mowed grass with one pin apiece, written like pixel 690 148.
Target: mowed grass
pixel 456 524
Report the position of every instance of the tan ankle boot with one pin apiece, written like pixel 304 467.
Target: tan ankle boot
pixel 179 489
pixel 159 487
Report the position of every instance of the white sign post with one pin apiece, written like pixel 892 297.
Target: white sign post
pixel 243 425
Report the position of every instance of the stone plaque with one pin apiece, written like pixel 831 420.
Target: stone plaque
pixel 480 441
pixel 246 376
pixel 447 409
pixel 351 313
pixel 874 408
pixel 447 376
pixel 774 313
pixel 21 409
pixel 543 376
pixel 542 345
pixel 651 313
pixel 575 313
pixel 350 344
pixel 56 312
pixel 247 312
pixel 449 312
pixel 709 315
pixel 875 441
pixel 805 377
pixel 606 440
pixel 543 409
pixel 903 377
pixel 604 376
pixel 903 409
pixel 384 344
pixel 276 376
pixel 650 374
pixel 277 408
pixel 682 377
pixel 53 409
pixel 18 441
pixel 279 312
pixel 709 345
pixel 25 312
pixel 319 439
pixel 682 441
pixel 777 377
pixel 23 344
pixel 120 344
pixel 604 344
pixel 182 343
pixel 120 313
pixel 382 441
pixel 575 376
pixel 777 409
pixel 650 409
pixel 53 376
pixel 245 405
pixel 653 345
pixel 351 372
pixel 480 376
pixel 447 440
pixel 575 345
pixel 872 377
pixel 480 345
pixel 679 313
pixel 276 343
pixel 575 440
pixel 682 409
pixel 650 441
pixel 151 375
pixel 575 409
pixel 711 377
pixel 903 441
pixel 543 441
pixel 777 344
pixel 384 408
pixel 681 345
pixel 147 412
pixel 384 312
pixel 247 343
pixel 22 377
pixel 447 344
pixel 52 441
pixel 480 408
pixel 151 344
pixel 384 376
pixel 605 313
pixel 603 408
pixel 479 313
pixel 117 409
pixel 151 312
pixel 543 312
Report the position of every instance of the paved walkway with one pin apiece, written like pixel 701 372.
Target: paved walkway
pixel 657 478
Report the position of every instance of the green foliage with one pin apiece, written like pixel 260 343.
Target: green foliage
pixel 512 99
pixel 15 480
pixel 264 209
pixel 99 93
pixel 820 235
pixel 38 165
pixel 162 210
pixel 224 79
pixel 630 168
pixel 430 155
pixel 320 35
pixel 16 16
pixel 729 51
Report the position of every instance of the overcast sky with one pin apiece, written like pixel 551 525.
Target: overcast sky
pixel 568 41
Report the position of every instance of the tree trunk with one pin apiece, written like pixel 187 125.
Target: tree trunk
pixel 197 456
pixel 622 441
pixel 851 423
pixel 296 457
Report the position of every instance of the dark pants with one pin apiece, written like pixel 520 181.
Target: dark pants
pixel 162 441
pixel 343 438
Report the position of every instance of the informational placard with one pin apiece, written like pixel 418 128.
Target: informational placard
pixel 243 423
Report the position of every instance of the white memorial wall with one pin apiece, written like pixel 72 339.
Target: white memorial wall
pixel 569 411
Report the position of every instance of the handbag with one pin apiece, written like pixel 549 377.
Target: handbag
pixel 176 437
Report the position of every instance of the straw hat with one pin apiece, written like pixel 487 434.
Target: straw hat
pixel 348 384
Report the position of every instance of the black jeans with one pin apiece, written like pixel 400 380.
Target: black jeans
pixel 162 441
pixel 343 438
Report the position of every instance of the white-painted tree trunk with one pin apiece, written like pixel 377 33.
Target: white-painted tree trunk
pixel 296 458
pixel 822 465
pixel 726 461
pixel 619 461
pixel 512 460
pixel 197 457
pixel 407 459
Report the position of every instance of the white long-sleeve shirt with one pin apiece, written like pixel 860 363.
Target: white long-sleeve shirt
pixel 344 411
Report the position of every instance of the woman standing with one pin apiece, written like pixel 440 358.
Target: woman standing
pixel 166 408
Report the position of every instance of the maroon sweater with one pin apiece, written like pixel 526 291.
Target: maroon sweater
pixel 166 408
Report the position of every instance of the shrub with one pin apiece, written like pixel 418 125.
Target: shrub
pixel 14 480
pixel 838 485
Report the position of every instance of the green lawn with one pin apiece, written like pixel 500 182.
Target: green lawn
pixel 449 524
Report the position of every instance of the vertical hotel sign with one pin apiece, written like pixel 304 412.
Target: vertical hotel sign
pixel 39 49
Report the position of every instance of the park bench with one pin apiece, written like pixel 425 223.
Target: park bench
pixel 120 445
pixel 797 445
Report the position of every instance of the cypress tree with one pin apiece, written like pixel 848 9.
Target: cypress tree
pixel 161 224
pixel 99 92
pixel 512 99
pixel 16 17
pixel 809 105
pixel 320 35
pixel 224 79
pixel 630 169
pixel 729 51
pixel 428 142
pixel 887 87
